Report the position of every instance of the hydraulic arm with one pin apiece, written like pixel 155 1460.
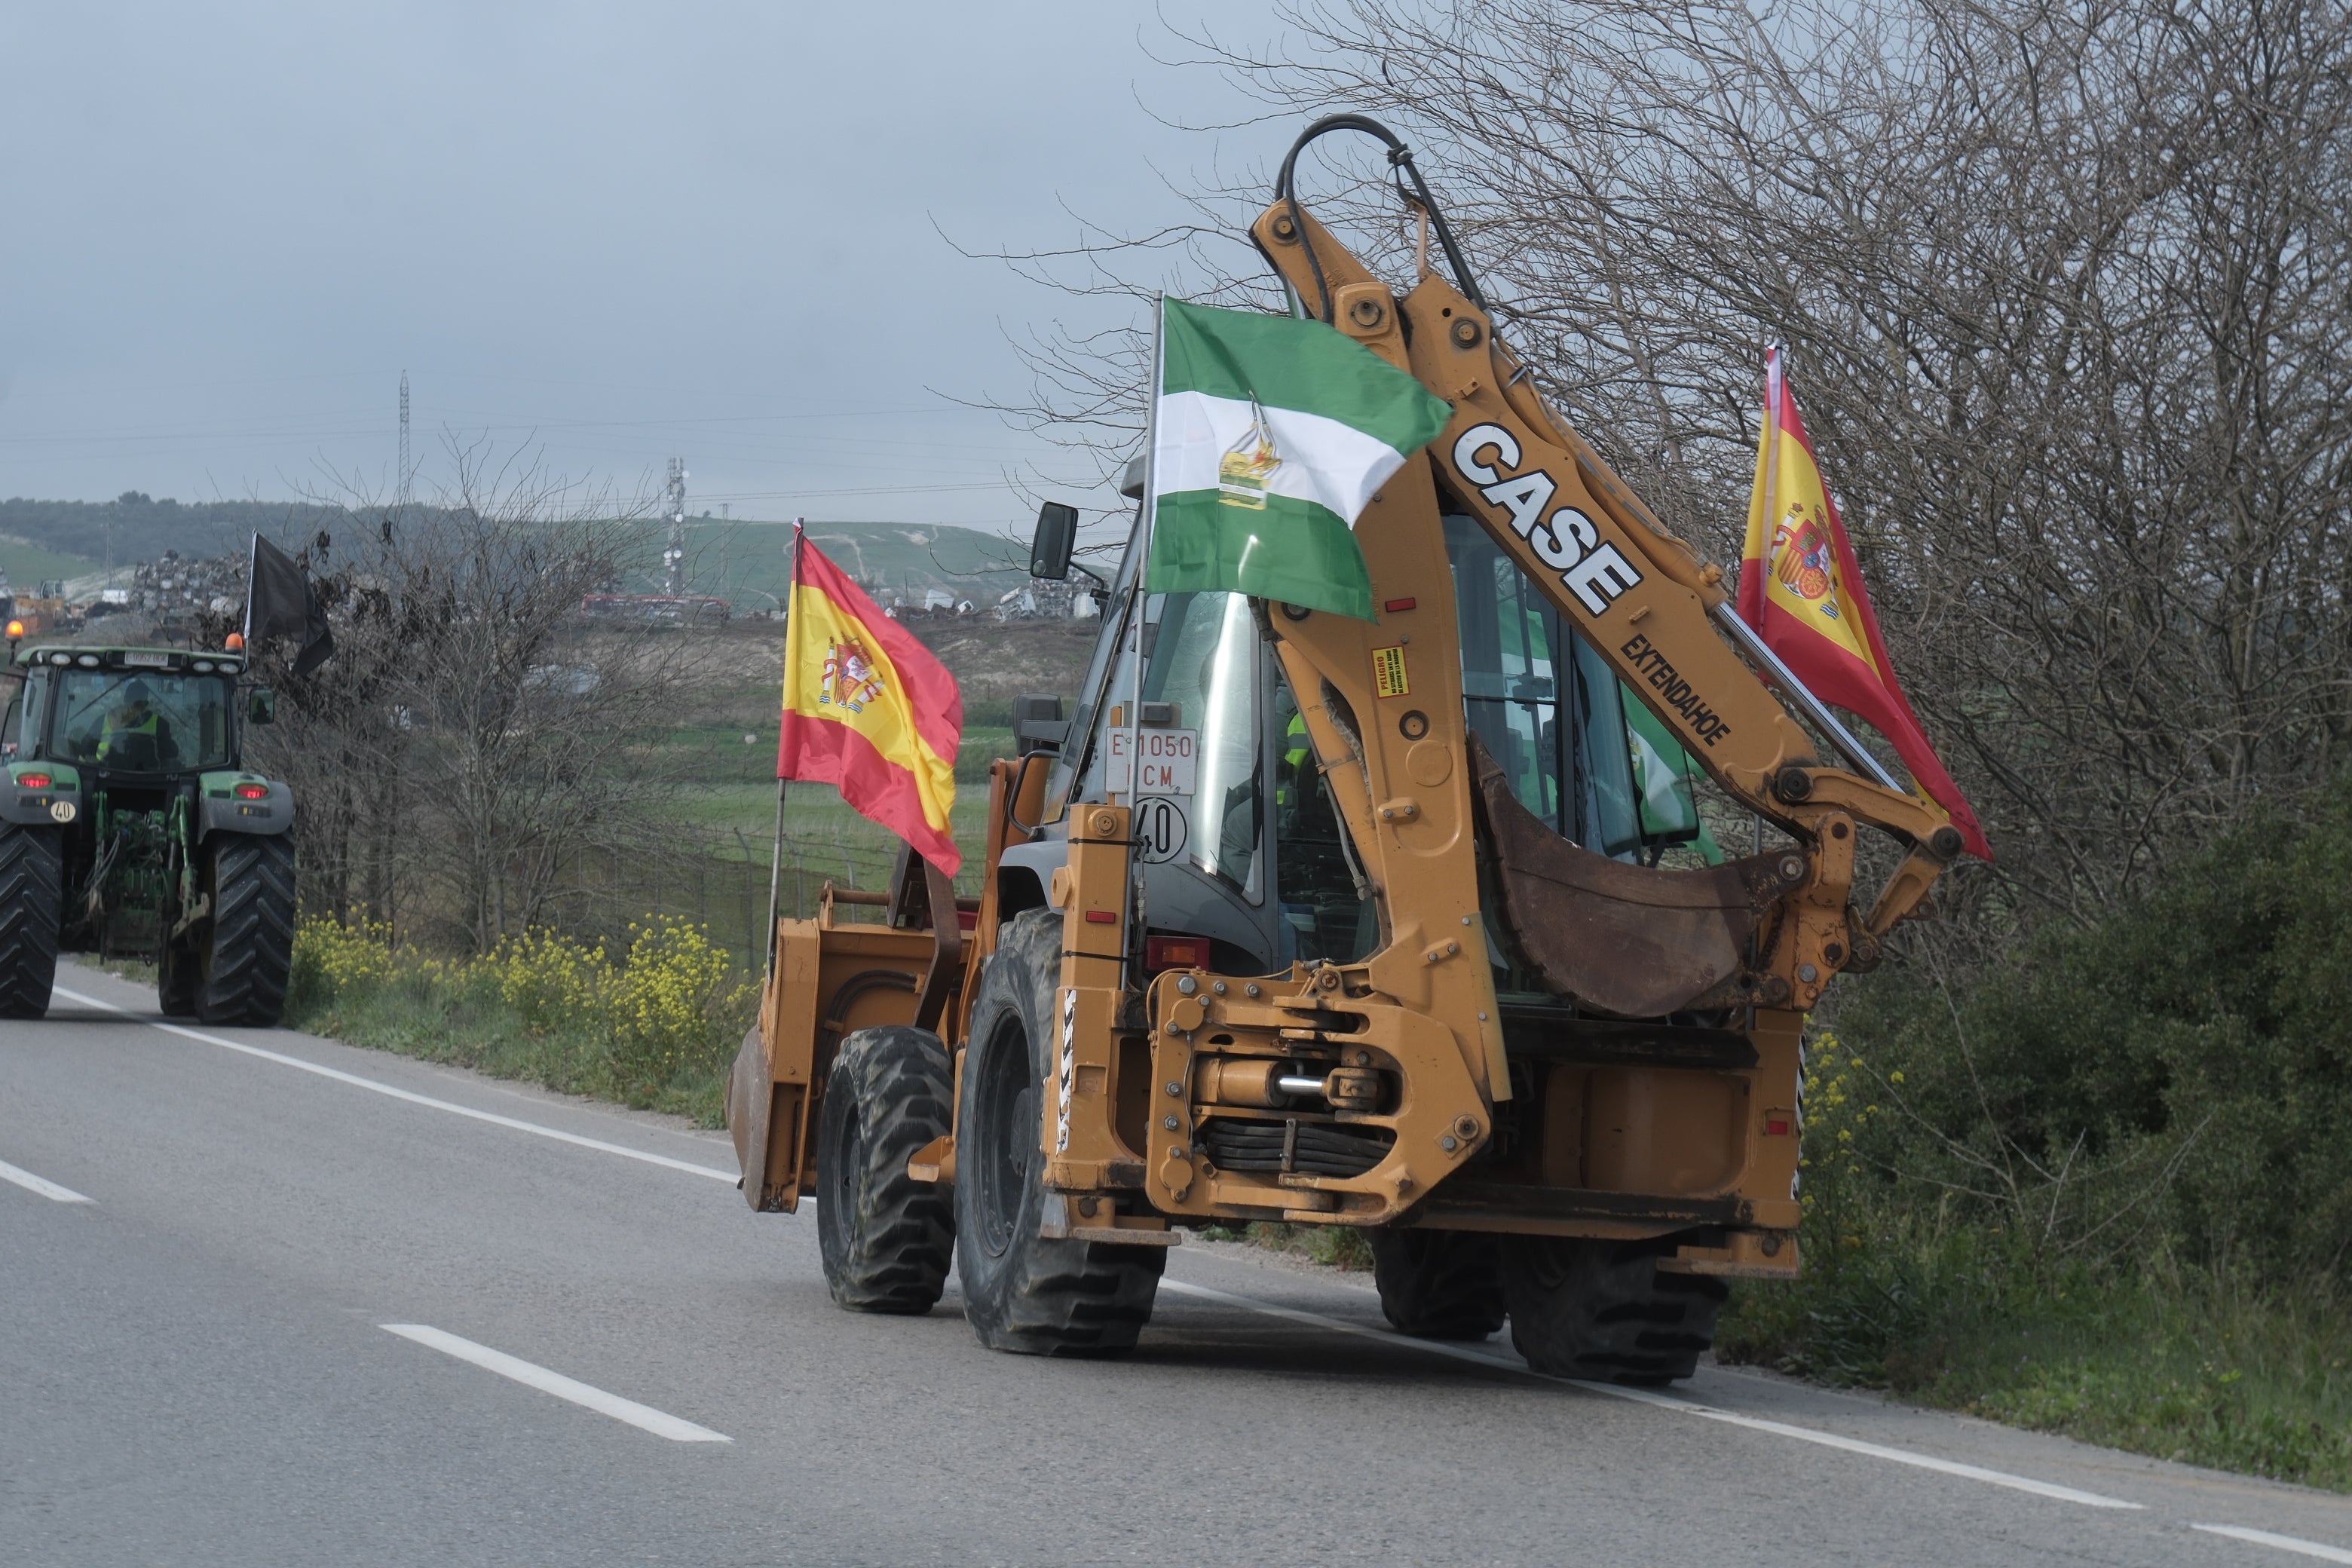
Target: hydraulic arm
pixel 1639 597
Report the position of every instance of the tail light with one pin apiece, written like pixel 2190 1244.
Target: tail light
pixel 1175 952
pixel 33 781
pixel 251 792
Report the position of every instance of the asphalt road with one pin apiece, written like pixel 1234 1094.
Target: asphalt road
pixel 195 1367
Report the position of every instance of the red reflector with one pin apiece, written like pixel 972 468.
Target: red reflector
pixel 252 792
pixel 1776 1129
pixel 1395 607
pixel 1174 953
pixel 1102 917
pixel 32 781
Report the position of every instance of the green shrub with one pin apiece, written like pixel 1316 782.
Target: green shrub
pixel 2106 1188
pixel 654 1027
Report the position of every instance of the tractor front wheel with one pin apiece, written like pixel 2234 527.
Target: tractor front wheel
pixel 246 949
pixel 887 1238
pixel 1023 1291
pixel 30 882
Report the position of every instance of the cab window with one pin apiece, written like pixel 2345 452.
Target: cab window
pixel 141 721
pixel 1197 741
pixel 1544 704
pixel 1324 912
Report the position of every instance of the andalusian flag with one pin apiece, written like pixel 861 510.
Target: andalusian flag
pixel 1268 435
pixel 1801 590
pixel 868 710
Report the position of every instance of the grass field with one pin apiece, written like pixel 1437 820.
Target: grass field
pixel 28 565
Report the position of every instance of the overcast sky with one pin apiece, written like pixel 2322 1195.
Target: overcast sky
pixel 620 232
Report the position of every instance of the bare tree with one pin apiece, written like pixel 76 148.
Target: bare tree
pixel 476 733
pixel 2066 290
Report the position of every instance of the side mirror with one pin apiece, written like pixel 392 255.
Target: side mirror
pixel 261 705
pixel 1058 535
pixel 1038 724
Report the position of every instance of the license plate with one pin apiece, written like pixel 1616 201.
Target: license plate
pixel 149 660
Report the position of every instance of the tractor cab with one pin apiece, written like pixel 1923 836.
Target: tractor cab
pixel 1241 841
pixel 136 712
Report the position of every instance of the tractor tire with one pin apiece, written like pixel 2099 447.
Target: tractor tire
pixel 247 951
pixel 886 1239
pixel 1023 1291
pixel 31 895
pixel 1439 1284
pixel 1603 1311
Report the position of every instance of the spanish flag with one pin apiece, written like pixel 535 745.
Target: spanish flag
pixel 868 710
pixel 1802 591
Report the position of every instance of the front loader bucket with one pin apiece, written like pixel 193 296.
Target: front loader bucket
pixel 1634 941
pixel 830 977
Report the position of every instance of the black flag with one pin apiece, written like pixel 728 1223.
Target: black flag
pixel 278 603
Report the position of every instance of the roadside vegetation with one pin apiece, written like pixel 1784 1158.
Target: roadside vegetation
pixel 2102 1187
pixel 652 1023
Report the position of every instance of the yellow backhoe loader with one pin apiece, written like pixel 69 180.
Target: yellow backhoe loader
pixel 1298 917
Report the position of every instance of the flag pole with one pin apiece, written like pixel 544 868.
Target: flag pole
pixel 1142 604
pixel 1772 352
pixel 1771 485
pixel 776 859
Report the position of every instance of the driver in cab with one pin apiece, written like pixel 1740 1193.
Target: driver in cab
pixel 136 735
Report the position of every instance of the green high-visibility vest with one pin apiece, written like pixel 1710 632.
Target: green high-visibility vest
pixel 146 726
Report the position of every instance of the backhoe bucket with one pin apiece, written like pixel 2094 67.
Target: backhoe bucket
pixel 1634 941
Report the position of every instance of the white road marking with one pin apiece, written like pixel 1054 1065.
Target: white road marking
pixel 686 1431
pixel 643 1417
pixel 33 1183
pixel 1665 1402
pixel 518 1124
pixel 2283 1542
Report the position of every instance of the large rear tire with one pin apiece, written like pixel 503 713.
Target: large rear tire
pixel 1603 1310
pixel 1439 1284
pixel 1023 1291
pixel 31 881
pixel 248 948
pixel 887 1238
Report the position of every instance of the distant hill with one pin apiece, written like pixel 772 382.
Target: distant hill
pixel 139 528
pixel 745 562
pixel 742 561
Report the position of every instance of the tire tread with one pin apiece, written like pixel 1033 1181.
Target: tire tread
pixel 1603 1311
pixel 31 896
pixel 1048 1296
pixel 888 1239
pixel 251 943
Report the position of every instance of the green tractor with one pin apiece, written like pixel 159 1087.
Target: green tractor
pixel 128 828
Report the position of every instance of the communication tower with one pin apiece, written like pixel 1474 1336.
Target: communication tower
pixel 402 488
pixel 674 557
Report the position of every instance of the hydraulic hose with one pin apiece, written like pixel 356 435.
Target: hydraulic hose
pixel 1401 159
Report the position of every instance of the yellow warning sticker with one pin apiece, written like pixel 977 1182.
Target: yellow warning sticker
pixel 1388 672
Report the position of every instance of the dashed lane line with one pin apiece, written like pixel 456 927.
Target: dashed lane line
pixel 645 1417
pixel 1664 1402
pixel 2283 1543
pixel 515 1123
pixel 33 1183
